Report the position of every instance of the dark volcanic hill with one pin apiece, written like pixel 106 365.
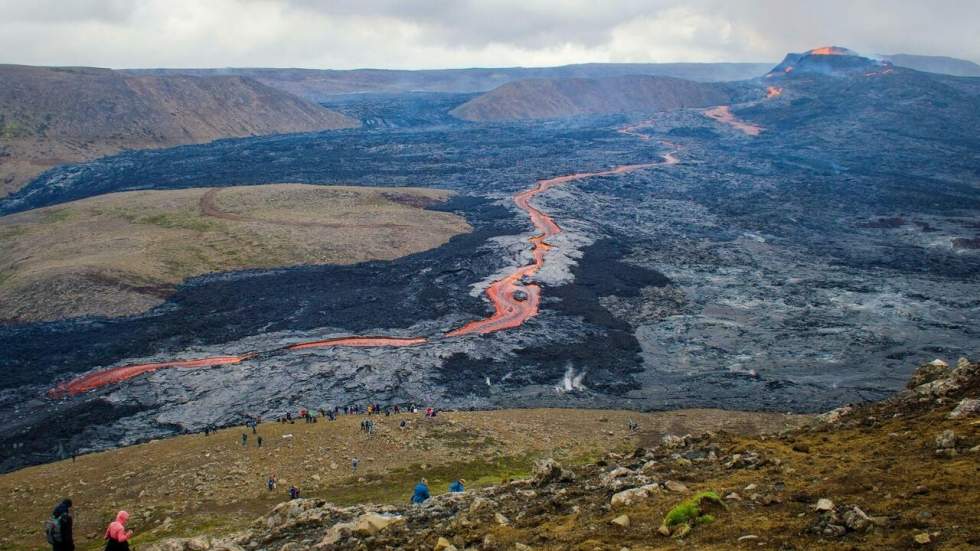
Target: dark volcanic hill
pixel 829 60
pixel 936 64
pixel 561 98
pixel 318 85
pixel 51 116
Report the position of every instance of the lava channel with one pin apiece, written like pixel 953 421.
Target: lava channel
pixel 723 114
pixel 510 309
pixel 514 300
pixel 119 374
pixel 359 341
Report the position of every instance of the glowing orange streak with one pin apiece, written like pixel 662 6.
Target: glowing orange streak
pixel 359 341
pixel 118 374
pixel 508 311
pixel 827 50
pixel 723 114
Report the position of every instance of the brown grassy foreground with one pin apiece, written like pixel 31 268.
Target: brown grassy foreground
pixel 123 253
pixel 900 474
pixel 213 484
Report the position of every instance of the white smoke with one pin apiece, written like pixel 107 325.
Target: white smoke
pixel 571 381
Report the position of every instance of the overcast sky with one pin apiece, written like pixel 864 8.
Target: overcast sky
pixel 469 33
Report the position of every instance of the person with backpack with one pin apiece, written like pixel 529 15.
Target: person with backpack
pixel 58 528
pixel 293 492
pixel 457 486
pixel 116 536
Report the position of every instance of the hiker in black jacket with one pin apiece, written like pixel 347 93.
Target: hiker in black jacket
pixel 59 528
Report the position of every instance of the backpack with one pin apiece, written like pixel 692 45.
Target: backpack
pixel 52 529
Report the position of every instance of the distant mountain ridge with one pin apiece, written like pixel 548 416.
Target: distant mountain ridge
pixel 936 64
pixel 56 115
pixel 318 84
pixel 560 98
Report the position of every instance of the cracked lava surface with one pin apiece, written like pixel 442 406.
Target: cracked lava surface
pixel 510 308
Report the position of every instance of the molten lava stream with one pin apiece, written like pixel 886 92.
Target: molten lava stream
pixel 359 342
pixel 723 114
pixel 509 311
pixel 118 374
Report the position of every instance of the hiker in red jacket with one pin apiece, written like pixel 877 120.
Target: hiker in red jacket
pixel 117 537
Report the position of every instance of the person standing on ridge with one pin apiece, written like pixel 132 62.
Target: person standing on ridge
pixel 58 528
pixel 116 536
pixel 353 464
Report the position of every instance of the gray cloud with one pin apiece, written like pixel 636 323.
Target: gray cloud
pixel 459 33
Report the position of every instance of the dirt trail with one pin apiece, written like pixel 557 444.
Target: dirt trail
pixel 514 298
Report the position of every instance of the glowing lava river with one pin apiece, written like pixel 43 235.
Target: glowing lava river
pixel 515 299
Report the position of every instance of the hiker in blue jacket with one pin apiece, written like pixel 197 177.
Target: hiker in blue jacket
pixel 457 486
pixel 421 492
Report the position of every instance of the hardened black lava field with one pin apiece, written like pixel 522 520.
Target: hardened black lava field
pixel 800 269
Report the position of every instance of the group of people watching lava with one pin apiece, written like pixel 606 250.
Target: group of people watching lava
pixel 58 528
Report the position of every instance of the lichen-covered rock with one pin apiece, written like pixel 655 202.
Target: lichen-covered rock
pixel 928 373
pixel 622 521
pixel 372 523
pixel 946 440
pixel 835 416
pixel 632 496
pixel 968 407
pixel 672 441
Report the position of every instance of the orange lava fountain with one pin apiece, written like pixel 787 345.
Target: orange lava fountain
pixel 828 50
